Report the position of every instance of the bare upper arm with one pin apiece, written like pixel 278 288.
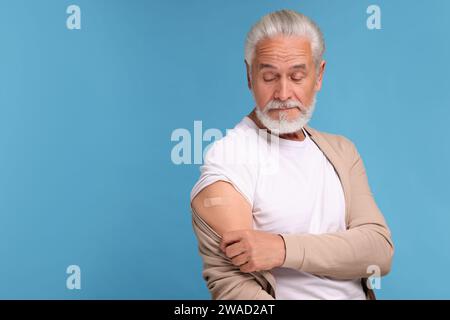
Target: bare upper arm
pixel 223 208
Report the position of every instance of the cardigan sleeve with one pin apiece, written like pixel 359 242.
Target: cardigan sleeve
pixel 349 254
pixel 224 280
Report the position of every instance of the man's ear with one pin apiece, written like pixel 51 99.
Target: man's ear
pixel 319 78
pixel 249 82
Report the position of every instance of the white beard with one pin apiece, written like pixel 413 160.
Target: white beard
pixel 282 125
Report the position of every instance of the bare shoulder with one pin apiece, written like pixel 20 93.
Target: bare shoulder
pixel 223 208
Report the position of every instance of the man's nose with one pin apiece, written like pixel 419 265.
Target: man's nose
pixel 283 92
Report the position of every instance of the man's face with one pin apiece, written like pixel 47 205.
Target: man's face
pixel 283 69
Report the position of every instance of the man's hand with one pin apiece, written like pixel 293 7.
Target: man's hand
pixel 253 250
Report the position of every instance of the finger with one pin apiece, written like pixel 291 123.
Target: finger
pixel 240 260
pixel 247 267
pixel 229 238
pixel 234 249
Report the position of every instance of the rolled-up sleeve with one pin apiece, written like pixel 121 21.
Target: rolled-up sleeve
pixel 224 280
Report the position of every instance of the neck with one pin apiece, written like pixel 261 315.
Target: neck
pixel 297 136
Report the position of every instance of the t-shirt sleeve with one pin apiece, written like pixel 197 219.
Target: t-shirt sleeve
pixel 225 161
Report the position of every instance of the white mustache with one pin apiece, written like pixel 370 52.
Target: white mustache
pixel 282 125
pixel 275 104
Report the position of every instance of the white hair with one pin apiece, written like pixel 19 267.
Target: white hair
pixel 288 23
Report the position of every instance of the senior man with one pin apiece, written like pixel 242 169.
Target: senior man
pixel 309 229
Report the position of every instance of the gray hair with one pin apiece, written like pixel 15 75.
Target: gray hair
pixel 288 23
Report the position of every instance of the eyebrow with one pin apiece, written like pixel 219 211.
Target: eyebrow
pixel 266 65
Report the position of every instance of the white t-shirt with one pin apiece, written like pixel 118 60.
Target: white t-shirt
pixel 292 188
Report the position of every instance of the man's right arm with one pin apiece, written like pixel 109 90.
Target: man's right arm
pixel 224 209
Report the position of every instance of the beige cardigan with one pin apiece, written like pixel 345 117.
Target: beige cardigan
pixel 340 255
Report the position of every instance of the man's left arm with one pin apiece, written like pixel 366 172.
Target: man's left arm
pixel 347 254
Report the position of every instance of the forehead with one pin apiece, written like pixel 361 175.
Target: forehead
pixel 284 50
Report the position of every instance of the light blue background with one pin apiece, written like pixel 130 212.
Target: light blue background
pixel 86 118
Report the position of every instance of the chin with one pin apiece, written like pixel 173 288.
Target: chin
pixel 289 115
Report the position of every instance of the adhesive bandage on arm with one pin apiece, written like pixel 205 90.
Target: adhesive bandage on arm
pixel 216 202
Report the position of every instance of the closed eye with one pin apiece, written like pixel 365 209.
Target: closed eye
pixel 269 76
pixel 297 77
